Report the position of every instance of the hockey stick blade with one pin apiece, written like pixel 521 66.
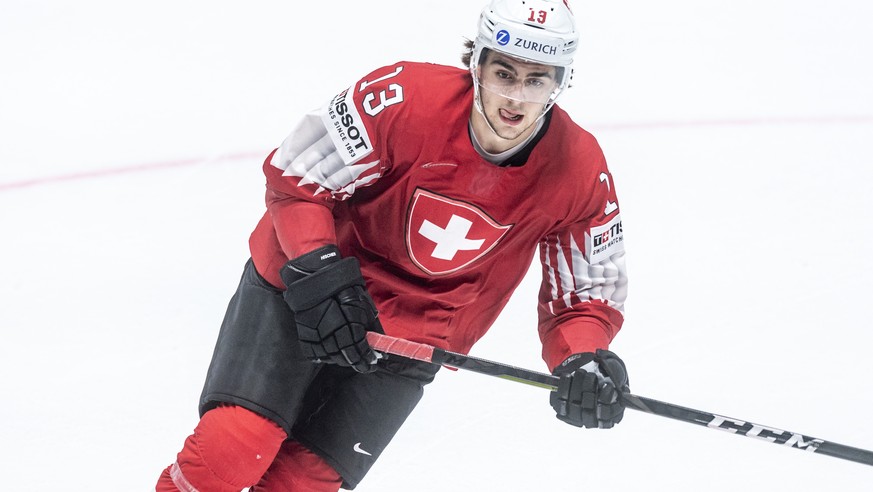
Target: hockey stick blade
pixel 434 355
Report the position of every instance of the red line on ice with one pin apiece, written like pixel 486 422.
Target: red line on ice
pixel 604 127
pixel 136 168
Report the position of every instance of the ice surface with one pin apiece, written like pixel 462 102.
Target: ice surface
pixel 738 134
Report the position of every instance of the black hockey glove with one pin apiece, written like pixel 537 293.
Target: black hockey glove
pixel 588 394
pixel 332 308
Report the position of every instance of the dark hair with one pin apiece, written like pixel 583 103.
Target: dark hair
pixel 467 54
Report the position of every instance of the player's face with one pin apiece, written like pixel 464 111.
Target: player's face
pixel 513 93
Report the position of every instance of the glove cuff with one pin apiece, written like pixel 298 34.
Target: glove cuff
pixel 309 263
pixel 309 291
pixel 572 363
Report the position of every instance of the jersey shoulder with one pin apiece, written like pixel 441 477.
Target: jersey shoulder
pixel 568 142
pixel 404 105
pixel 414 88
pixel 575 169
pixel 413 74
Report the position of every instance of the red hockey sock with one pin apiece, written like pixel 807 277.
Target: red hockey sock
pixel 230 450
pixel 298 469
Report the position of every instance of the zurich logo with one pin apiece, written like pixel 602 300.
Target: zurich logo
pixel 502 37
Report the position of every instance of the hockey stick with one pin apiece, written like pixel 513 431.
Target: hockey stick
pixel 434 355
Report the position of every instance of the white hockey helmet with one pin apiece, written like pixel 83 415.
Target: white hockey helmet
pixel 537 31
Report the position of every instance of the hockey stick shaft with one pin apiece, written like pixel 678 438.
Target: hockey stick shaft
pixel 435 355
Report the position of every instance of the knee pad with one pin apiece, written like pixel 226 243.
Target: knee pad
pixel 231 448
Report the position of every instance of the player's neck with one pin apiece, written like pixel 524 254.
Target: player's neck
pixel 488 138
pixel 502 158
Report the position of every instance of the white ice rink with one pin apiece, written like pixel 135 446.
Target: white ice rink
pixel 739 135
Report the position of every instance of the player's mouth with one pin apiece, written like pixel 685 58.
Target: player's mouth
pixel 510 117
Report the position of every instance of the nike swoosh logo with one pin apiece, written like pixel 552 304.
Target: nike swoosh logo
pixel 358 449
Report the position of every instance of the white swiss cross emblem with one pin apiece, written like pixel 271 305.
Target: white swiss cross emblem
pixel 445 235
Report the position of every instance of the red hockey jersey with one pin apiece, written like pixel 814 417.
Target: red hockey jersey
pixel 387 171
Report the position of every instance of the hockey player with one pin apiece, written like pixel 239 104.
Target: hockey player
pixel 420 193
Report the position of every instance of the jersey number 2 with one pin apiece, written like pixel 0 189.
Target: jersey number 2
pixel 610 205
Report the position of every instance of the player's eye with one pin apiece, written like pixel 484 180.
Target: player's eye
pixel 504 75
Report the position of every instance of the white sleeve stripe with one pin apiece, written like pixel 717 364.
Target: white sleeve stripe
pixel 548 262
pixel 585 273
pixel 307 150
pixel 308 138
pixel 567 280
pixel 309 153
pixel 351 187
pixel 328 175
pixel 605 280
pixel 579 265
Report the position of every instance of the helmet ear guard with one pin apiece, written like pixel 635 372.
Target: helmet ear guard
pixel 533 31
